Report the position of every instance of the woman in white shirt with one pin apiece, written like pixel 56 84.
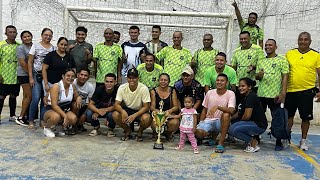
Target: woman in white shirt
pixel 60 102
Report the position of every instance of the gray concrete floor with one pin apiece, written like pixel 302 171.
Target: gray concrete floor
pixel 28 154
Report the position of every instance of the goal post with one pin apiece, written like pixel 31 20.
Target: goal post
pixel 145 18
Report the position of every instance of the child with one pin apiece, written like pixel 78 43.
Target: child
pixel 188 125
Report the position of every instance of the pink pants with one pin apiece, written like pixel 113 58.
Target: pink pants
pixel 191 138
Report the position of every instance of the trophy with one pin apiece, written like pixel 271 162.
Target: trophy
pixel 160 119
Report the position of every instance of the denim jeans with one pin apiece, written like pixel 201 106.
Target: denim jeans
pixel 245 130
pixel 96 123
pixel 37 94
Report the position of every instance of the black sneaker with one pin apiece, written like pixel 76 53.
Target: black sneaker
pixel 81 128
pixel 21 121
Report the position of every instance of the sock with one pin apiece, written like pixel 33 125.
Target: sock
pixel 12 106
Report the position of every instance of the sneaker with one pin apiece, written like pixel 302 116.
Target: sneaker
pixel 48 133
pixel 22 121
pixel 196 151
pixel 251 149
pixel 12 118
pixel 179 148
pixel 81 128
pixel 111 133
pixel 303 144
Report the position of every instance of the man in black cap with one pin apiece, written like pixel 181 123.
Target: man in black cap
pixel 132 104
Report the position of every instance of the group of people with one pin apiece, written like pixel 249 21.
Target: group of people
pixel 200 94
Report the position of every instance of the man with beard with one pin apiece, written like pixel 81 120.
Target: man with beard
pixel 255 31
pixel 220 66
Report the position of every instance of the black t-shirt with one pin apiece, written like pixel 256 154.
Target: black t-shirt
pixel 57 65
pixel 258 115
pixel 102 99
pixel 194 90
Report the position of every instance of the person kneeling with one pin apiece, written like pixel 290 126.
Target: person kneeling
pixel 252 120
pixel 59 104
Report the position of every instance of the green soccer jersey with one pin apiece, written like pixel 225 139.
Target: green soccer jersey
pixel 211 74
pixel 150 79
pixel 107 58
pixel 8 62
pixel 256 33
pixel 270 85
pixel 204 60
pixel 174 61
pixel 242 58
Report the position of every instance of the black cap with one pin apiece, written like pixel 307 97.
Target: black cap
pixel 133 72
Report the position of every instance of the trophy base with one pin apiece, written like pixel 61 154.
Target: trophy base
pixel 158 146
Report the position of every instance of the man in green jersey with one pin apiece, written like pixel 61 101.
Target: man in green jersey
pixel 220 66
pixel 174 58
pixel 272 73
pixel 8 71
pixel 245 57
pixel 149 72
pixel 108 56
pixel 255 31
pixel 204 58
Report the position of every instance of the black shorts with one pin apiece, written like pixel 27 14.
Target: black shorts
pixel 301 100
pixel 130 112
pixel 23 80
pixel 8 89
pixel 268 102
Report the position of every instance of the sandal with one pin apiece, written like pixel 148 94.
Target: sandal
pixel 219 149
pixel 139 138
pixel 94 132
pixel 179 148
pixel 31 126
pixel 126 137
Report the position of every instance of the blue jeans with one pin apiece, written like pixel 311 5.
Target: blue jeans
pixel 245 130
pixel 37 94
pixel 96 123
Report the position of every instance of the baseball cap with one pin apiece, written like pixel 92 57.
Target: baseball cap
pixel 133 72
pixel 187 70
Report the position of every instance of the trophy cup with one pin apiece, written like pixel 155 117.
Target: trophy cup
pixel 160 119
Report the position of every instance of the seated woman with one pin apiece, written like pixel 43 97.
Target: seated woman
pixel 251 119
pixel 170 104
pixel 59 104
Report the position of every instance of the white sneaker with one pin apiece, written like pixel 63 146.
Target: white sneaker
pixel 12 118
pixel 47 132
pixel 251 149
pixel 303 144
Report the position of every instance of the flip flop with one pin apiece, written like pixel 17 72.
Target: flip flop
pixel 219 149
pixel 139 138
pixel 126 138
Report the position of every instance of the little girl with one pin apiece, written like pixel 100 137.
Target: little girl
pixel 188 125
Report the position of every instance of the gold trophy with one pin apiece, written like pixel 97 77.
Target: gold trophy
pixel 160 119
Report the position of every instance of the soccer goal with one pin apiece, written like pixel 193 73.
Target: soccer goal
pixel 193 24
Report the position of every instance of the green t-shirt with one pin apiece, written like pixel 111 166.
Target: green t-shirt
pixel 150 79
pixel 256 33
pixel 242 58
pixel 8 62
pixel 174 61
pixel 270 85
pixel 108 58
pixel 78 53
pixel 211 74
pixel 204 60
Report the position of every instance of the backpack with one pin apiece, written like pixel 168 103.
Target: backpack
pixel 279 125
